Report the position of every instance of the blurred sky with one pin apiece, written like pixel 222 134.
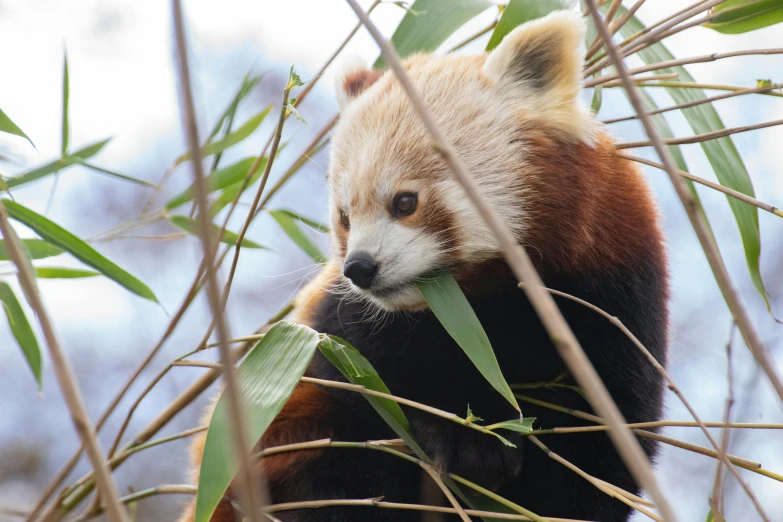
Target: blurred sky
pixel 122 84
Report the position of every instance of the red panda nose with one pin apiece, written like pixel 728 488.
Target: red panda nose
pixel 360 269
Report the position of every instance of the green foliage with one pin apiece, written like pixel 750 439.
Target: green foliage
pixel 432 24
pixel 221 179
pixel 266 379
pixel 741 16
pixel 454 312
pixel 518 12
pixel 721 153
pixel 50 168
pixel 66 98
pixel 65 240
pixel 231 139
pixel 53 272
pixel 7 125
pixel 287 222
pixel 36 248
pixel 191 227
pixel 21 330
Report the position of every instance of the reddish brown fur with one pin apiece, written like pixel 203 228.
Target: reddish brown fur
pixel 591 209
pixel 356 82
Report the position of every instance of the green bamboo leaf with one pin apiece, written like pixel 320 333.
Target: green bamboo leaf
pixel 21 330
pixel 454 312
pixel 74 160
pixel 307 221
pixel 7 125
pixel 292 230
pixel 520 426
pixel 266 378
pixel 358 370
pixel 66 97
pixel 51 168
pixel 721 153
pixel 518 12
pixel 248 82
pixel 58 236
pixel 433 22
pixel 741 16
pixel 191 227
pixel 231 139
pixel 56 272
pixel 220 179
pixel 37 248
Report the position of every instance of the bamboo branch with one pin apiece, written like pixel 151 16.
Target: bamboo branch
pixel 251 487
pixel 561 335
pixel 473 37
pixel 597 42
pixel 715 186
pixel 683 61
pixel 696 218
pixel 716 500
pixel 740 92
pixel 649 38
pixel 600 485
pixel 701 137
pixel 712 86
pixel 63 371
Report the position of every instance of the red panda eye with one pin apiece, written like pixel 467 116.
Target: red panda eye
pixel 345 221
pixel 404 204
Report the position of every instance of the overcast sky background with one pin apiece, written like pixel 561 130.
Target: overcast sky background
pixel 122 84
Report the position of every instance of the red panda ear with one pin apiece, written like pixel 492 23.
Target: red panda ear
pixel 541 58
pixel 538 66
pixel 352 80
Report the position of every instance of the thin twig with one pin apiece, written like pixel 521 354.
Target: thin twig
pixel 740 92
pixel 698 138
pixel 716 500
pixel 597 42
pixel 472 38
pixel 696 218
pixel 251 487
pixel 594 481
pixel 642 41
pixel 712 86
pixel 63 371
pixel 164 489
pixel 715 186
pixel 561 335
pixel 682 61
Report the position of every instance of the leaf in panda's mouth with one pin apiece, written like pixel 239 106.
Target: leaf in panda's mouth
pixel 454 312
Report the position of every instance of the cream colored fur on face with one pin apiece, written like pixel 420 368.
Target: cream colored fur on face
pixel 482 104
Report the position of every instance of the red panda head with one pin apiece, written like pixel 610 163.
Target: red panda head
pixel 397 213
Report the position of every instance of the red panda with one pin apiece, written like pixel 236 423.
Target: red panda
pixel 586 218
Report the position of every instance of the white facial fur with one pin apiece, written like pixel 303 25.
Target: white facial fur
pixel 380 149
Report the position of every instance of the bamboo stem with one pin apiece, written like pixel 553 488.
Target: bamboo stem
pixel 62 369
pixel 701 137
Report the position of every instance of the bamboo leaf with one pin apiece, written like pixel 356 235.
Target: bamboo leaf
pixel 292 230
pixel 721 153
pixel 7 125
pixel 37 248
pixel 220 179
pixel 231 139
pixel 520 426
pixel 309 222
pixel 248 82
pixel 518 12
pixel 74 160
pixel 741 16
pixel 66 97
pixel 433 22
pixel 21 330
pixel 54 272
pixel 58 236
pixel 454 312
pixel 266 379
pixel 191 227
pixel 51 168
pixel 358 370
